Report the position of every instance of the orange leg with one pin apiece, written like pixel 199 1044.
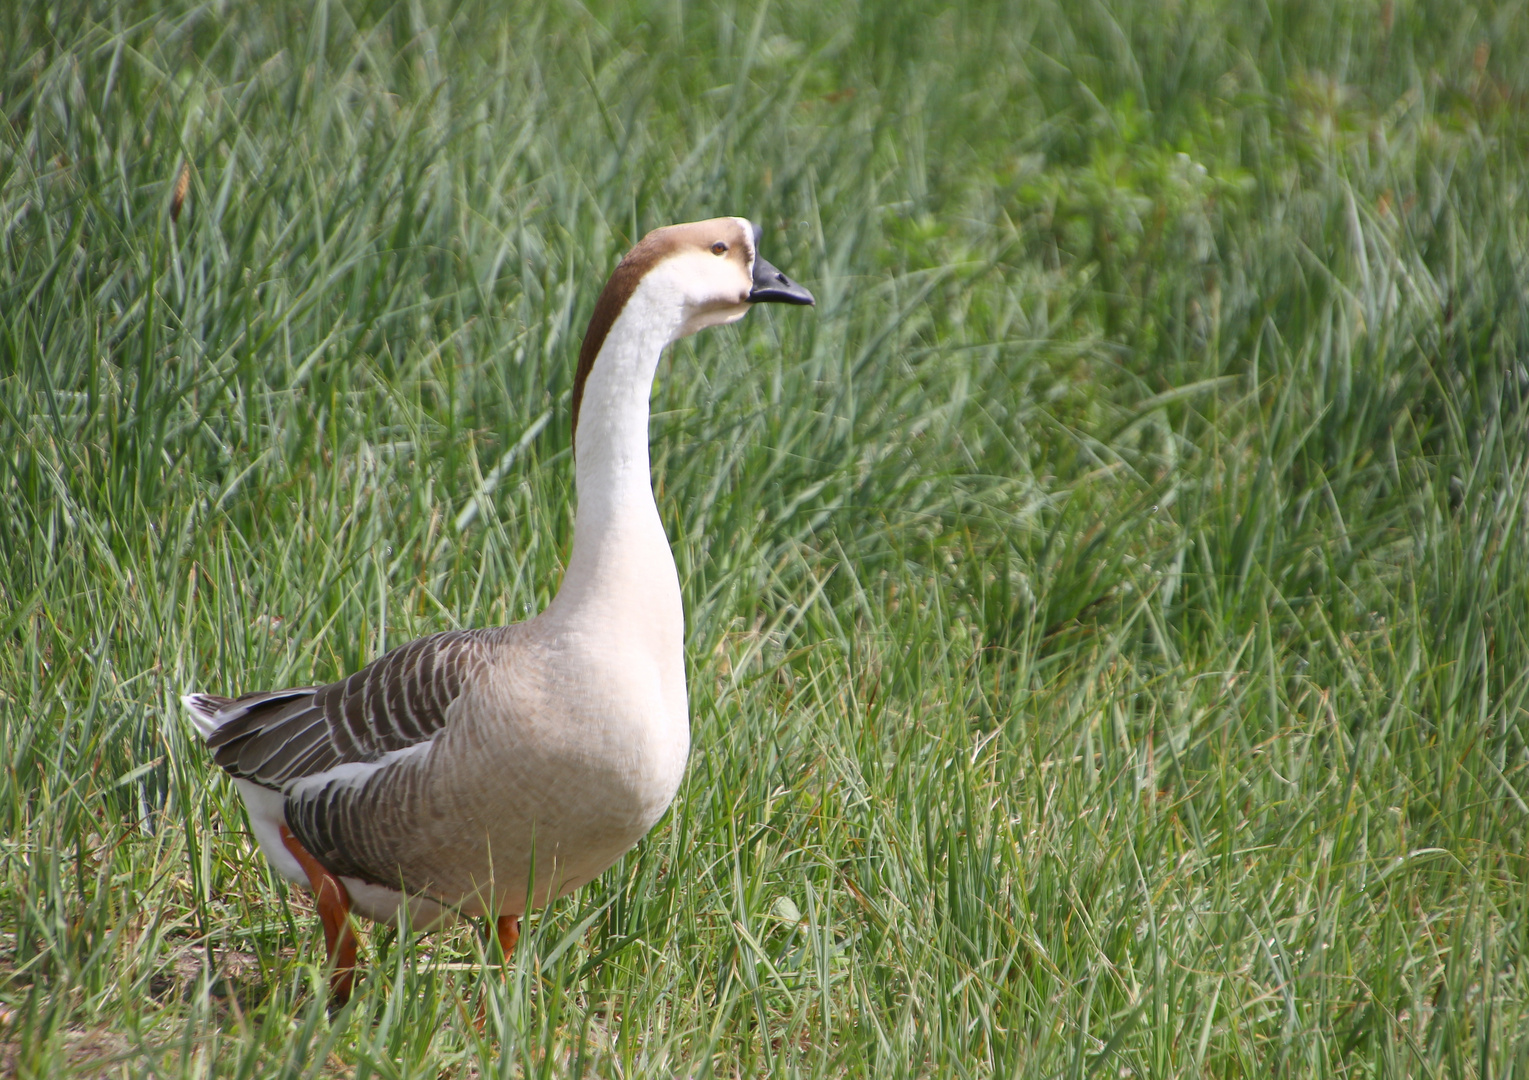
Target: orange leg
pixel 334 913
pixel 507 929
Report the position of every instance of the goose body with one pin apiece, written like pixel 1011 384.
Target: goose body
pixel 435 778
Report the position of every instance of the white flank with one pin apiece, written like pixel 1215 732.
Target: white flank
pixel 353 774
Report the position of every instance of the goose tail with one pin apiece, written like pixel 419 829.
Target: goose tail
pixel 207 712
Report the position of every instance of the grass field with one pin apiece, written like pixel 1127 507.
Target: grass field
pixel 1108 611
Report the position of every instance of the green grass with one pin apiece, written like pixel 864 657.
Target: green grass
pixel 1108 611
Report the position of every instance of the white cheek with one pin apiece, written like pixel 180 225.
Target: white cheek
pixel 712 291
pixel 716 316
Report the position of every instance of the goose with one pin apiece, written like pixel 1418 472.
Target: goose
pixel 475 773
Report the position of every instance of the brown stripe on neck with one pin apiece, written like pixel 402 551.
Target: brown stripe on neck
pixel 618 290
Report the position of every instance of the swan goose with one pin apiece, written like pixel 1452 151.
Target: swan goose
pixel 423 782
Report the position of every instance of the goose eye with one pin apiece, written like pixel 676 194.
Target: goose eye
pixel 719 248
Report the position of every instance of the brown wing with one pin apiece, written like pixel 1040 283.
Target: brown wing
pixel 397 701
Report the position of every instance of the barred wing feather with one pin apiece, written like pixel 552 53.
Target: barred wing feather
pixel 396 702
pixel 342 753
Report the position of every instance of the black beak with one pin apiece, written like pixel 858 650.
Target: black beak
pixel 773 287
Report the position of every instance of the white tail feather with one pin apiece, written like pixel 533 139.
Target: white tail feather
pixel 204 714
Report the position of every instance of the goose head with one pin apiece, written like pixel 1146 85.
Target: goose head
pixel 714 271
pixel 678 280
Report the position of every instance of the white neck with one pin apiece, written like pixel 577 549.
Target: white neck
pixel 621 562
